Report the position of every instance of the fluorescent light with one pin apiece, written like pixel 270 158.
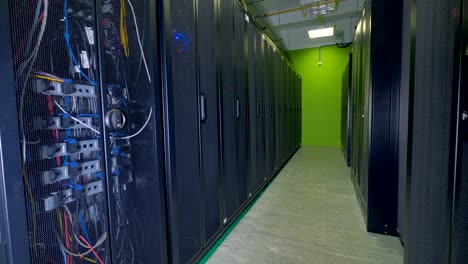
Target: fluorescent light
pixel 321 32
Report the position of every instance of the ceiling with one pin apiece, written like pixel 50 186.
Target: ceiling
pixel 290 28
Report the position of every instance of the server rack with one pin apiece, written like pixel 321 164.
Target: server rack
pixel 268 112
pixel 346 111
pixel 182 118
pixel 210 141
pixel 89 133
pixel 107 77
pixel 277 85
pixel 376 90
pixel 228 107
pixel 252 99
pixel 436 200
pixel 260 99
pixel 240 30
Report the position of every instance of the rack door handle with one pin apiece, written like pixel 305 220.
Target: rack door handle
pixel 258 110
pixel 203 116
pixel 238 113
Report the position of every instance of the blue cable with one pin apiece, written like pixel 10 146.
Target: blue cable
pixel 83 225
pixel 67 40
pixel 88 115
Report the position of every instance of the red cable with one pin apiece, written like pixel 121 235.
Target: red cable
pixel 23 41
pixel 92 249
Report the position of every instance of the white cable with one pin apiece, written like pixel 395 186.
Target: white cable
pixel 139 40
pixel 141 129
pixel 23 67
pixel 76 119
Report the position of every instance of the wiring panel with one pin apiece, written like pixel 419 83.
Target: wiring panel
pixel 89 151
pixel 61 135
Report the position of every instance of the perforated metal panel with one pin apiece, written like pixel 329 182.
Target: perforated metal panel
pixel 268 105
pixel 229 118
pixel 60 128
pixel 428 230
pixel 209 125
pixel 183 168
pixel 240 26
pixel 252 101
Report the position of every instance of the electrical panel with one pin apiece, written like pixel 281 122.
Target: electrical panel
pixel 85 106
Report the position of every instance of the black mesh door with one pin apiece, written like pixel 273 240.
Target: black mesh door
pixel 182 137
pixel 240 26
pixel 134 141
pixel 278 81
pixel 252 99
pixel 209 118
pixel 229 115
pixel 268 110
pixel 61 137
pixel 430 202
pixel 259 73
pixel 460 213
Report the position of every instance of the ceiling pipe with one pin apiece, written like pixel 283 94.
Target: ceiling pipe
pixel 266 26
pixel 300 8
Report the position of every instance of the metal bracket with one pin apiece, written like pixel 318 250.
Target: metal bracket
pixel 64 89
pixel 58 122
pixel 65 149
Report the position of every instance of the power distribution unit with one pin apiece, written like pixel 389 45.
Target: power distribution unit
pixel 82 171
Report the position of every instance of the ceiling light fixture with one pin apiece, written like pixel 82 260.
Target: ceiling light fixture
pixel 321 32
pixel 318 8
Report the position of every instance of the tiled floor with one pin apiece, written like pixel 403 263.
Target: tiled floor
pixel 309 214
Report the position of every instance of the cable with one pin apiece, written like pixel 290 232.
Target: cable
pixel 92 249
pixel 49 78
pixel 141 129
pixel 83 226
pixel 35 22
pixel 139 40
pixel 123 29
pixel 76 119
pixel 62 247
pixel 70 50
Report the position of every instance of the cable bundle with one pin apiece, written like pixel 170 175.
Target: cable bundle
pixel 123 29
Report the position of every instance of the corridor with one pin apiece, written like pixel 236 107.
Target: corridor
pixel 308 214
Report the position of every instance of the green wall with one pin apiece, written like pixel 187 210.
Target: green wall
pixel 321 93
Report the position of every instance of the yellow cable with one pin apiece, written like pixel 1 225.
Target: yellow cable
pixel 59 216
pixel 33 208
pixel 90 260
pixel 49 78
pixel 123 29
